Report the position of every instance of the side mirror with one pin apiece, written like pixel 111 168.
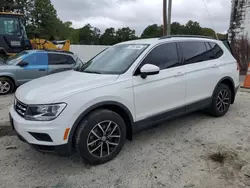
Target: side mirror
pixel 149 69
pixel 23 63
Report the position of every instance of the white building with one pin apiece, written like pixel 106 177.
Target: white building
pixel 240 19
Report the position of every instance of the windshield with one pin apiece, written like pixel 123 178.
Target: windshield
pixel 114 60
pixel 13 59
pixel 10 26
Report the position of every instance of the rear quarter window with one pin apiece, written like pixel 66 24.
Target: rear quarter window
pixel 217 51
pixel 60 59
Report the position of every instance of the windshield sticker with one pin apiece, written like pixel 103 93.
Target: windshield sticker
pixel 136 47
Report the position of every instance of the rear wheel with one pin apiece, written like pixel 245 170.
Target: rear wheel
pixel 100 136
pixel 6 86
pixel 221 101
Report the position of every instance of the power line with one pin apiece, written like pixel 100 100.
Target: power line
pixel 210 18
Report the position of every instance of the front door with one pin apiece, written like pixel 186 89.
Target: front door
pixel 36 68
pixel 164 92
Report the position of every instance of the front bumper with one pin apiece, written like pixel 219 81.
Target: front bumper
pixel 31 131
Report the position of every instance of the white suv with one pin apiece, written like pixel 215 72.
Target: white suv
pixel 129 86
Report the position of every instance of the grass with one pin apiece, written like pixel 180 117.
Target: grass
pixel 218 157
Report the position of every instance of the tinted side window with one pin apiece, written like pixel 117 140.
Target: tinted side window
pixel 195 51
pixel 37 59
pixel 163 56
pixel 71 60
pixel 218 52
pixel 209 52
pixel 60 59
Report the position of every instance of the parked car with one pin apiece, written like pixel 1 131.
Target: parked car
pixel 32 64
pixel 128 87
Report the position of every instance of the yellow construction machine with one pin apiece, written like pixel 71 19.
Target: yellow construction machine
pixel 41 44
pixel 13 37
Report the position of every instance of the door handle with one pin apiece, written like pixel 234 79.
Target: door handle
pixel 41 69
pixel 179 74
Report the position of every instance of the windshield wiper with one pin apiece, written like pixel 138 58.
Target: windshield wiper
pixel 93 72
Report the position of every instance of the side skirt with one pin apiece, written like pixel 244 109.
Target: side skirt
pixel 160 118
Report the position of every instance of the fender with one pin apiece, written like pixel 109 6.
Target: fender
pixel 8 75
pixel 232 81
pixel 95 106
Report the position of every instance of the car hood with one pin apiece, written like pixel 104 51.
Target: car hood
pixel 54 87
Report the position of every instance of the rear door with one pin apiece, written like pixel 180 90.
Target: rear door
pixel 36 68
pixel 60 62
pixel 202 70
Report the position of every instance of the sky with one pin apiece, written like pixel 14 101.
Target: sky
pixel 138 14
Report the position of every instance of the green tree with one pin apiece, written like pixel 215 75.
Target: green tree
pixel 152 31
pixel 125 34
pixel 96 33
pixel 89 35
pixel 222 36
pixel 208 32
pixel 177 28
pixel 63 30
pixel 108 37
pixel 75 36
pixel 21 6
pixel 44 19
pixel 7 5
pixel 192 28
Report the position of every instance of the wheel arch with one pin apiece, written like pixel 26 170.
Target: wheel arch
pixel 230 83
pixel 117 107
pixel 9 77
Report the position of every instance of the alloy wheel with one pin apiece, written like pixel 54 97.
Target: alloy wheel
pixel 4 87
pixel 223 101
pixel 103 139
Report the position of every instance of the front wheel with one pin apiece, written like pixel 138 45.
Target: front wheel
pixel 100 136
pixel 221 101
pixel 6 86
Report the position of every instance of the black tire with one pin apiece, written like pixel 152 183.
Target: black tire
pixel 84 136
pixel 220 107
pixel 6 89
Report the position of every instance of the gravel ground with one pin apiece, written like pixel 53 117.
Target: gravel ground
pixel 194 151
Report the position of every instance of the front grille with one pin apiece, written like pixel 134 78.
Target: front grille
pixel 20 108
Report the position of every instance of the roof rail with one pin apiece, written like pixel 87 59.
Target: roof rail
pixel 62 51
pixel 186 36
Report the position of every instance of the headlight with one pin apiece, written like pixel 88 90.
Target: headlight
pixel 44 112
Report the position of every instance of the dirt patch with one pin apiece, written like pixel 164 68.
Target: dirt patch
pixel 218 157
pixel 228 166
pixel 6 131
pixel 223 156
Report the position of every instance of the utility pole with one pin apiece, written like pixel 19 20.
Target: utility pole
pixel 164 17
pixel 169 17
